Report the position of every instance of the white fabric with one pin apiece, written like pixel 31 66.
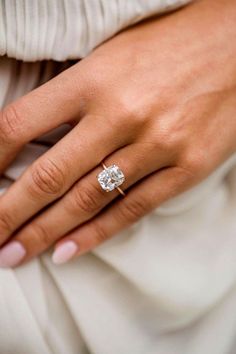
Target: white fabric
pixel 165 286
pixel 66 29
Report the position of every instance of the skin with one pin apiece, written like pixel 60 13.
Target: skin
pixel 158 100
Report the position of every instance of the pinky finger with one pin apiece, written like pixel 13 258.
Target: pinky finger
pixel 139 201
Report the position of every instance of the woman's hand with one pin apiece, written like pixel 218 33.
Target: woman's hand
pixel 158 100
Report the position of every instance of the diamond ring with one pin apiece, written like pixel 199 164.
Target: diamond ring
pixel 111 178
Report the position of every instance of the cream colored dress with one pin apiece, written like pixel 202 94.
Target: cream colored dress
pixel 165 286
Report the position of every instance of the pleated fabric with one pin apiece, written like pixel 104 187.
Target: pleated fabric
pixel 165 286
pixel 38 29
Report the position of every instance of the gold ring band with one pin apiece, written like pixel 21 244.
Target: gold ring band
pixel 121 191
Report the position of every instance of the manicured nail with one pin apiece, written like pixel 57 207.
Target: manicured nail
pixel 64 252
pixel 12 254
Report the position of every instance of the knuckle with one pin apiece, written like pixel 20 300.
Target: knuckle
pixel 6 224
pixel 160 143
pixel 47 178
pixel 181 179
pixel 168 141
pixel 100 234
pixel 131 210
pixel 132 113
pixel 195 164
pixel 168 138
pixel 40 235
pixel 10 124
pixel 86 198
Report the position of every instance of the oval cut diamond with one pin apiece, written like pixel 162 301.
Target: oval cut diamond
pixel 110 178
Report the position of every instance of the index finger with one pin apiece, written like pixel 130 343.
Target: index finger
pixel 43 109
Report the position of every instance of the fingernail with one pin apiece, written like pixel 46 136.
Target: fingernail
pixel 64 252
pixel 12 254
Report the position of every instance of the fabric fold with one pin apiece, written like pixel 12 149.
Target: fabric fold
pixel 34 30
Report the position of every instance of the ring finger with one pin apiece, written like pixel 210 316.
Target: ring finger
pixel 80 204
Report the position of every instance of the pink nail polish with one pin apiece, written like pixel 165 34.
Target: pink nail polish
pixel 64 252
pixel 12 254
